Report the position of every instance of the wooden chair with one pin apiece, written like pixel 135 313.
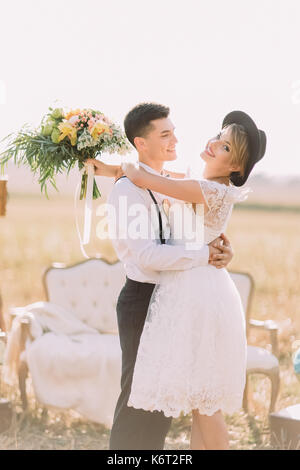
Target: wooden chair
pixel 259 360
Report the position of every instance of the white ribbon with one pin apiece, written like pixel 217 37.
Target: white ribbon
pixel 88 204
pixel 89 168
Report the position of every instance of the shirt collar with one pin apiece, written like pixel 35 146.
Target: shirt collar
pixel 148 168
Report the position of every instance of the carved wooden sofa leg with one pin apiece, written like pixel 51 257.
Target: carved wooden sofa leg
pixel 273 375
pixel 245 397
pixel 23 372
pixel 275 382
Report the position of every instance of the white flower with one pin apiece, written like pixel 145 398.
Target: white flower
pixel 86 140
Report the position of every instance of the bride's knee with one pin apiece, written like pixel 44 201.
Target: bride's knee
pixel 203 417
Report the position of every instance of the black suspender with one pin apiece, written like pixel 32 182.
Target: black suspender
pixel 162 239
pixel 124 176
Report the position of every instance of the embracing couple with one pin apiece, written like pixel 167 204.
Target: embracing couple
pixel 180 317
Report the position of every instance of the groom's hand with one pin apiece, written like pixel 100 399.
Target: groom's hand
pixel 220 252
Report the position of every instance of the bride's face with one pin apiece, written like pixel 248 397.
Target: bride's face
pixel 218 153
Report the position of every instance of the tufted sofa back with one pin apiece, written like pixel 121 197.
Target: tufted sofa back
pixel 89 289
pixel 245 285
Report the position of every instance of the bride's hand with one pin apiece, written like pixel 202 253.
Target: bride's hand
pixel 221 252
pixel 100 168
pixel 135 174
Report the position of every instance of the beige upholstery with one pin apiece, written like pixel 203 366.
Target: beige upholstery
pixel 90 289
pixel 260 358
pixel 243 283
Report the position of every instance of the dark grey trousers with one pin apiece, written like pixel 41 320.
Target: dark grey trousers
pixel 134 428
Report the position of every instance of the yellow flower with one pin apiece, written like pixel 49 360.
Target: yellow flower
pixel 98 128
pixel 72 113
pixel 67 130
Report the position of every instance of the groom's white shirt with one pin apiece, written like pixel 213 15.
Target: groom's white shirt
pixel 143 259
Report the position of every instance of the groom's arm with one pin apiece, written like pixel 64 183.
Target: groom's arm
pixel 145 251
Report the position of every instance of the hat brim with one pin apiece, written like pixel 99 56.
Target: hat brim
pixel 256 138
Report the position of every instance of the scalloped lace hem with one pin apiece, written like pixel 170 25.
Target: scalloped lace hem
pixel 188 407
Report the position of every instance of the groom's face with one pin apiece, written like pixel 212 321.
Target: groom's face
pixel 160 143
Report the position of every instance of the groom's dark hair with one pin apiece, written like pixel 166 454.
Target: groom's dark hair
pixel 137 122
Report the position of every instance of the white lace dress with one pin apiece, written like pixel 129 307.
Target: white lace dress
pixel 192 352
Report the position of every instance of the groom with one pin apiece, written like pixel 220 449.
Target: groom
pixel 151 132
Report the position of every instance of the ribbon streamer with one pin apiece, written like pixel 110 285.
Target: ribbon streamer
pixel 87 209
pixel 88 204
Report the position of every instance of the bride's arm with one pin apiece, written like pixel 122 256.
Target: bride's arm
pixel 174 174
pixel 185 189
pixel 113 171
pixel 102 169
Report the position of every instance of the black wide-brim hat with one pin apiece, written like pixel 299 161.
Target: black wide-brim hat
pixel 257 143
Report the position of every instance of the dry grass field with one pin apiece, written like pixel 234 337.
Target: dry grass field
pixel 37 232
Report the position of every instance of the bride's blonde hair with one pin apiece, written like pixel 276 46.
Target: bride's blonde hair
pixel 240 146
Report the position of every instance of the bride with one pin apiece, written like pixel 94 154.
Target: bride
pixel 193 350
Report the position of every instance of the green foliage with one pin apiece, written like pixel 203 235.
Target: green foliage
pixel 41 151
pixel 41 155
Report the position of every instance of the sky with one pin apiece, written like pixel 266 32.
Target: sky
pixel 202 59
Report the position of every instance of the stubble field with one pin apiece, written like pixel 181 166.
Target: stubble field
pixel 37 232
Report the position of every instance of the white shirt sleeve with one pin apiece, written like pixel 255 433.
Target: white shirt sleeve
pixel 145 252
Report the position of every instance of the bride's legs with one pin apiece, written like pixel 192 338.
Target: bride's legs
pixel 196 442
pixel 213 429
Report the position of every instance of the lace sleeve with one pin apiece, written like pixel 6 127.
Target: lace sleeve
pixel 216 194
pixel 237 194
pixel 220 200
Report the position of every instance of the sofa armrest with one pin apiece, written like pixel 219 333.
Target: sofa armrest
pixel 25 332
pixel 272 327
pixel 25 327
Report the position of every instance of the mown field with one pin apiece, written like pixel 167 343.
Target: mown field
pixel 37 232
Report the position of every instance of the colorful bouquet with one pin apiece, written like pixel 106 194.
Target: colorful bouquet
pixel 63 139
